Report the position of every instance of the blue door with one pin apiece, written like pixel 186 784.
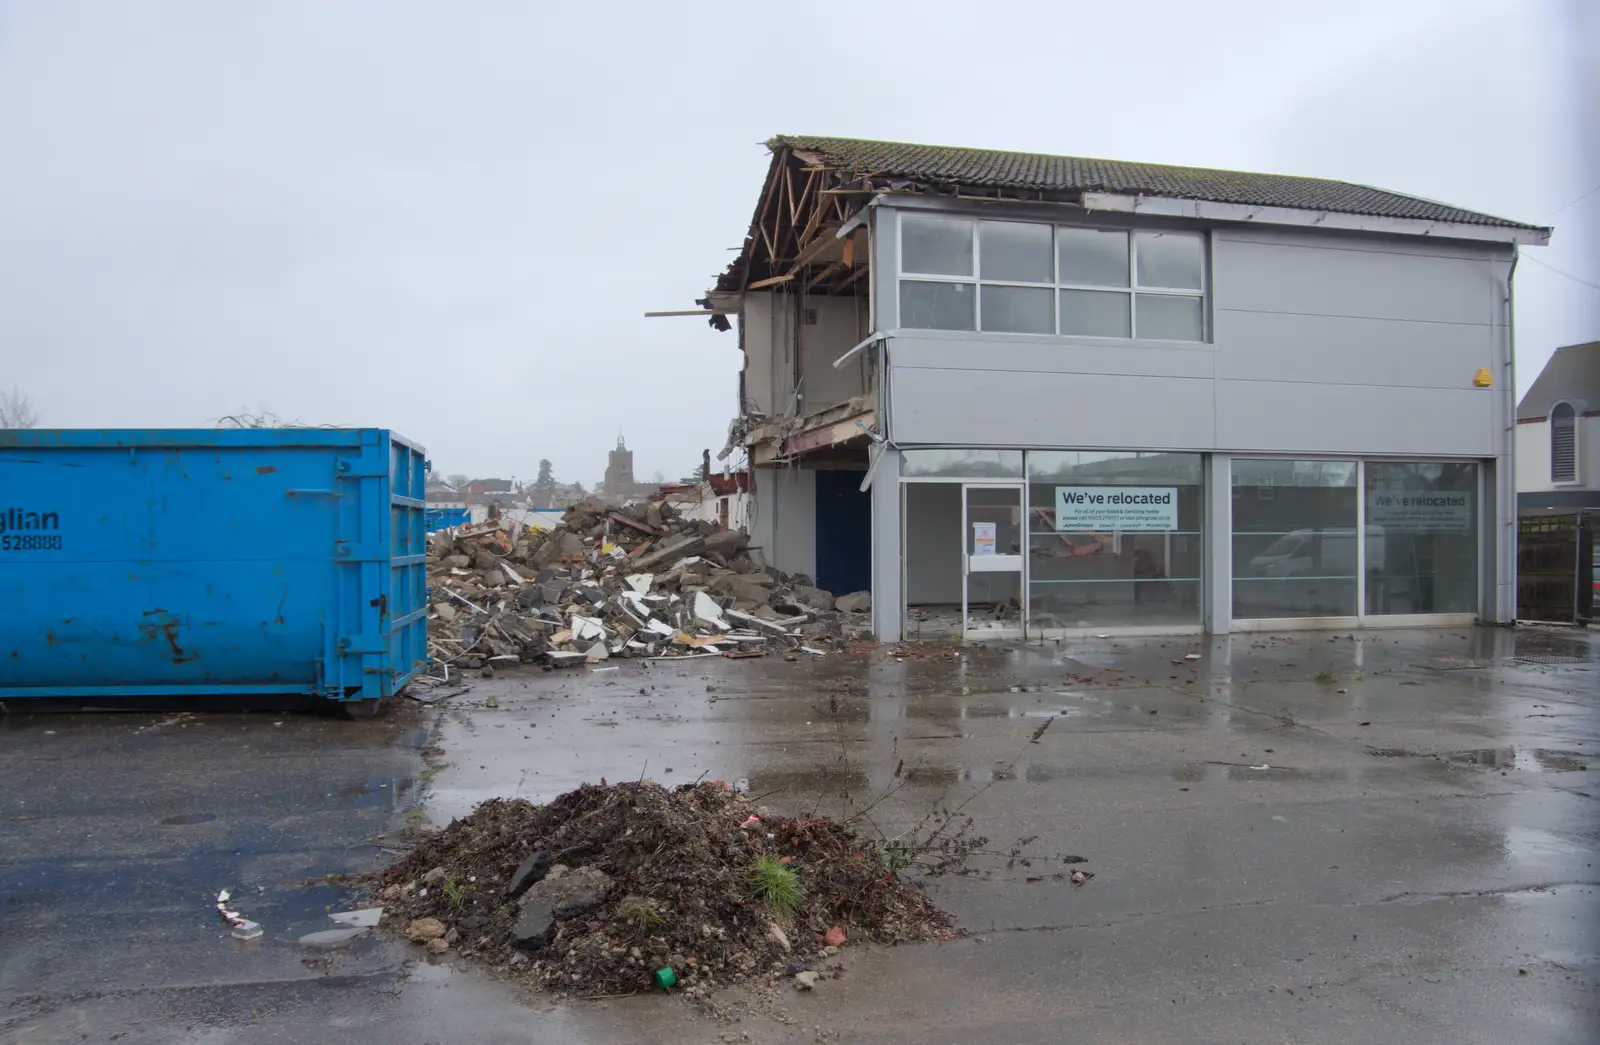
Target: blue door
pixel 844 532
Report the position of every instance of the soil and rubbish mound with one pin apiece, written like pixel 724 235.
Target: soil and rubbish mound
pixel 612 889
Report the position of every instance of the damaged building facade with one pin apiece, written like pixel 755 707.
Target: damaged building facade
pixel 1017 395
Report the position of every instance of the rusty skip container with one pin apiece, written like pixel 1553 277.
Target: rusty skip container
pixel 233 562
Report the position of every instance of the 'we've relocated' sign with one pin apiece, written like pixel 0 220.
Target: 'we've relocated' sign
pixel 1125 508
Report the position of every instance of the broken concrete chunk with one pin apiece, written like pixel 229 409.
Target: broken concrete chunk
pixel 531 870
pixel 706 609
pixel 555 897
pixel 587 628
pixel 745 589
pixel 565 659
pixel 815 598
pixel 535 925
pixel 727 543
pixel 855 602
pixel 672 552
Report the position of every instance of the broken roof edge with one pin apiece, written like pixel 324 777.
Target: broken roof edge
pixel 944 167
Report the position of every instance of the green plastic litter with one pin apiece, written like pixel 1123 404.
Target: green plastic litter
pixel 665 977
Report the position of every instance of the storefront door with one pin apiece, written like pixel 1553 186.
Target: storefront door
pixel 992 556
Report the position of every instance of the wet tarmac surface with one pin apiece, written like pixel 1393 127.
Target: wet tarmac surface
pixel 1313 838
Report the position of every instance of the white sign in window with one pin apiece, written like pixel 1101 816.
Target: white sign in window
pixel 983 534
pixel 1438 511
pixel 1131 509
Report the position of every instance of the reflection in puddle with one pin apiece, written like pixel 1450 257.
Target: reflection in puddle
pixel 381 791
pixel 1281 774
pixel 810 781
pixel 1524 759
pixel 938 775
pixel 1528 760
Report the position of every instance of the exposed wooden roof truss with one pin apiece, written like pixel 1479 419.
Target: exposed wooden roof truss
pixel 793 241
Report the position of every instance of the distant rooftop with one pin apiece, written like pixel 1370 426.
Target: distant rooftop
pixel 1572 373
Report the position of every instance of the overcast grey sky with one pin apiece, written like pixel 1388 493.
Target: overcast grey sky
pixel 448 218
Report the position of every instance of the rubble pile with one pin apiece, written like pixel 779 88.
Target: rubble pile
pixel 616 888
pixel 608 582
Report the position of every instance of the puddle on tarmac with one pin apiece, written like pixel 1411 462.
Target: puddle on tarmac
pixel 415 739
pixel 381 791
pixel 332 937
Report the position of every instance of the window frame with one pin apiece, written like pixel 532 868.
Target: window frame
pixel 1131 290
pixel 1572 429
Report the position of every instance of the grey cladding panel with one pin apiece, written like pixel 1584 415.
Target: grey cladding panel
pixel 1049 355
pixel 1281 347
pixel 1271 277
pixel 1298 417
pixel 1000 408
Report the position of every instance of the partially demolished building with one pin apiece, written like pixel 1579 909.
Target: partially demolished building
pixel 1015 394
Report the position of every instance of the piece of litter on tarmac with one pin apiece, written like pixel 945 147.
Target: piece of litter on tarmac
pixel 222 897
pixel 596 671
pixel 808 649
pixel 365 917
pixel 1260 768
pixel 245 930
pixel 1191 656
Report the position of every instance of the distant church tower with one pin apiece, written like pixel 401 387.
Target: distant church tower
pixel 619 472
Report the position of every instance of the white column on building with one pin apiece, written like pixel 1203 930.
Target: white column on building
pixel 1218 561
pixel 886 551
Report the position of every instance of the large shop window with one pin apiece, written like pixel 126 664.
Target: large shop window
pixel 1294 539
pixel 1017 277
pixel 1422 537
pixel 1114 538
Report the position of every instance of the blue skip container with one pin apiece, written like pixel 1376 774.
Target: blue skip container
pixel 148 563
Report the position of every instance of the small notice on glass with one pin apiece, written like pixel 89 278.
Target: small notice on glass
pixel 983 538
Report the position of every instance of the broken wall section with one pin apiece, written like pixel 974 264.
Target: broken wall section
pixel 790 342
pixel 783 529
